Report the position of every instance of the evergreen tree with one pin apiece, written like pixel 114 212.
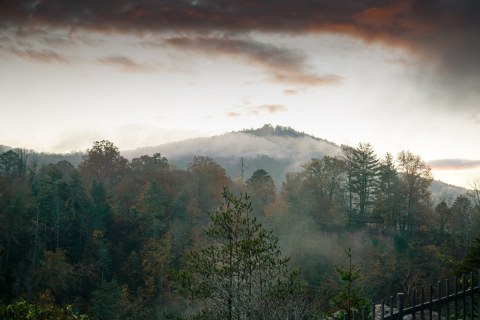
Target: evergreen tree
pixel 350 298
pixel 236 276
pixel 362 168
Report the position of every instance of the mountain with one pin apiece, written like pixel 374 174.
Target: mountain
pixel 43 158
pixel 277 150
pixel 444 191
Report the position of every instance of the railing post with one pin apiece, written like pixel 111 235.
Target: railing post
pixel 430 313
pixel 455 302
pixel 373 311
pixel 472 301
pixel 447 290
pixel 391 307
pixel 364 313
pixel 464 298
pixel 478 280
pixel 439 286
pixel 400 297
pixel 421 304
pixel 382 311
pixel 413 303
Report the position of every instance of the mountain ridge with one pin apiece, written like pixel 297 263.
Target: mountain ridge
pixel 277 150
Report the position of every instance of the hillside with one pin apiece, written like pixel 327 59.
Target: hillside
pixel 278 150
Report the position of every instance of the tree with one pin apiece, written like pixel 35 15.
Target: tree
pixel 237 275
pixel 316 190
pixel 55 273
pixel 149 165
pixel 13 163
pixel 462 215
pixel 350 299
pixel 444 214
pixel 389 196
pixel 103 163
pixel 416 176
pixel 209 179
pixel 24 310
pixel 362 184
pixel 474 196
pixel 262 189
pixel 153 210
pixel 472 261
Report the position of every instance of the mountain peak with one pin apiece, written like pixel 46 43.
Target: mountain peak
pixel 280 131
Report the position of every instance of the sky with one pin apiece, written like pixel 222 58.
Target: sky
pixel 400 75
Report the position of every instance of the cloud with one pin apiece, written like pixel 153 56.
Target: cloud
pixel 259 110
pixel 267 108
pixel 233 114
pixel 308 79
pixel 454 164
pixel 256 52
pixel 125 63
pixel 441 33
pixel 42 55
pixel 284 65
pixel 290 92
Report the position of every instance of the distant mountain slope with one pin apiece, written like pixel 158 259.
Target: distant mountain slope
pixel 444 191
pixel 277 150
pixel 43 158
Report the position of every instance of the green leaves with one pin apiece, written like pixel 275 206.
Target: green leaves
pixel 22 310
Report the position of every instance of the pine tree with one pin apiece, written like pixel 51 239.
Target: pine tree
pixel 236 277
pixel 350 298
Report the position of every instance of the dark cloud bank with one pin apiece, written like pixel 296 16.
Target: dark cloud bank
pixel 444 33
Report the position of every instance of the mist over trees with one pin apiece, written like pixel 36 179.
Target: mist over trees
pixel 142 239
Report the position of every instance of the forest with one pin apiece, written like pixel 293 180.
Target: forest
pixel 142 239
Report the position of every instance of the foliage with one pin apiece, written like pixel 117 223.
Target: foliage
pixel 242 271
pixel 472 261
pixel 262 189
pixel 22 310
pixel 105 234
pixel 350 299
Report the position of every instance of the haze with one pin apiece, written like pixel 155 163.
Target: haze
pixel 397 74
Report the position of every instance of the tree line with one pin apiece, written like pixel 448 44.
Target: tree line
pixel 119 239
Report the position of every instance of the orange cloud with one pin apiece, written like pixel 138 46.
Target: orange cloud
pixel 440 32
pixel 267 108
